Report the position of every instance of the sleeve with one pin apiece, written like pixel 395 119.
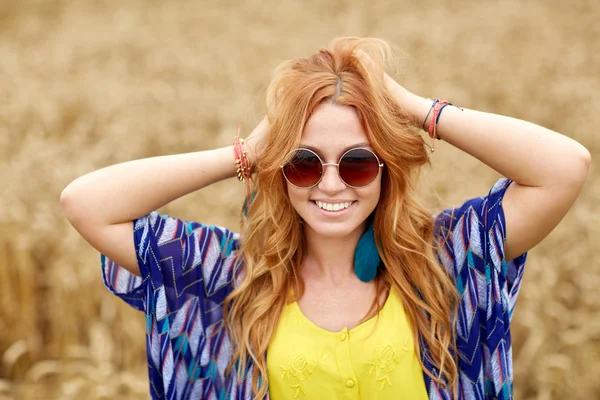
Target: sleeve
pixel 473 235
pixel 178 260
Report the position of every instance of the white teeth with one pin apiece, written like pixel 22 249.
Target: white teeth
pixel 333 207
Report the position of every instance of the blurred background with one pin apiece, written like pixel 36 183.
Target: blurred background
pixel 85 84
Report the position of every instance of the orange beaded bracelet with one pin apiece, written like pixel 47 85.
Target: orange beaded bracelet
pixel 242 163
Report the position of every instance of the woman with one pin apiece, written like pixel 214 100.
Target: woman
pixel 340 285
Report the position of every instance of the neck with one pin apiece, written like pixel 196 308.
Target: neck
pixel 330 259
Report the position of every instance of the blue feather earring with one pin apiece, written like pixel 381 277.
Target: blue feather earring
pixel 366 256
pixel 247 202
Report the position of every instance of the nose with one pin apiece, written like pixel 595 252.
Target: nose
pixel 331 182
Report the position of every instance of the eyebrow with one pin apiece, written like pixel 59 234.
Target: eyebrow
pixel 352 146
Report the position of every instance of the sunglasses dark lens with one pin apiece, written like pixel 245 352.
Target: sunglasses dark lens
pixel 359 167
pixel 304 169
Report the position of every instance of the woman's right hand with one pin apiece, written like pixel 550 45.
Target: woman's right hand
pixel 255 142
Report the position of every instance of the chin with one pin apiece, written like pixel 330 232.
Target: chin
pixel 330 233
pixel 333 226
pixel 332 230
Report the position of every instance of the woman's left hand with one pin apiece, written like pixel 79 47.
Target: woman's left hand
pixel 415 106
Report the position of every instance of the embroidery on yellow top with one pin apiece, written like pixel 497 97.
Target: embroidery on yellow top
pixel 386 359
pixel 299 368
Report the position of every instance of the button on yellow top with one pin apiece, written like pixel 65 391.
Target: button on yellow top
pixel 378 356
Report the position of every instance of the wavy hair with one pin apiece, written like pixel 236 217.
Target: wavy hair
pixel 272 243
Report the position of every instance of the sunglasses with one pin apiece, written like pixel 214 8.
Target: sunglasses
pixel 357 168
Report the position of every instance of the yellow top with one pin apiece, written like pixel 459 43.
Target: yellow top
pixel 308 362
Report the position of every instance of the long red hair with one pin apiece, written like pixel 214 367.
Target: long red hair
pixel 272 242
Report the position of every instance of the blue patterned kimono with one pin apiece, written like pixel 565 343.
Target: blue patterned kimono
pixel 187 271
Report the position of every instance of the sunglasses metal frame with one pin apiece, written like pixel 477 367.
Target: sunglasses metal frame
pixel 337 165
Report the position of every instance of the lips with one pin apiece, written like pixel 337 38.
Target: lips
pixel 334 208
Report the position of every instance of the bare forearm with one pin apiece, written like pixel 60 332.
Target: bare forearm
pixel 522 151
pixel 129 190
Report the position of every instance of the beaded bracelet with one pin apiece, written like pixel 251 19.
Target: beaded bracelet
pixel 241 158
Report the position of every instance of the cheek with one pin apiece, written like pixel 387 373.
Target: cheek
pixel 297 196
pixel 371 193
pixel 369 197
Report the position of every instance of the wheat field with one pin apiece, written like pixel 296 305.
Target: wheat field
pixel 85 84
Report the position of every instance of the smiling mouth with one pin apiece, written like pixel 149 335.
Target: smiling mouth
pixel 333 207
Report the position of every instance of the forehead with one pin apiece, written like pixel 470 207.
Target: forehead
pixel 333 128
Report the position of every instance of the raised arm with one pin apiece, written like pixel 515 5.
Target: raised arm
pixel 548 169
pixel 101 205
